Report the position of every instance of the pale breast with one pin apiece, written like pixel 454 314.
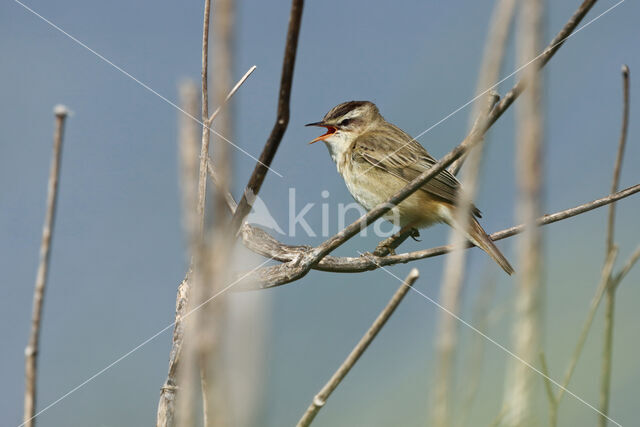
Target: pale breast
pixel 370 186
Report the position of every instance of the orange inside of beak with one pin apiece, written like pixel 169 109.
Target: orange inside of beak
pixel 330 131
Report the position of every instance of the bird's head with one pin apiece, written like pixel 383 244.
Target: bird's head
pixel 347 121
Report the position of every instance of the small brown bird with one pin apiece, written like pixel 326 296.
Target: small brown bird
pixel 376 159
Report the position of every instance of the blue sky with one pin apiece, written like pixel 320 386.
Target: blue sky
pixel 118 252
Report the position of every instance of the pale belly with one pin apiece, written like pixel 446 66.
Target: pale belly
pixel 372 187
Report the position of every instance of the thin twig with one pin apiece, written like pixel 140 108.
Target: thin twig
pixel 31 351
pixel 282 119
pixel 475 358
pixel 595 302
pixel 321 398
pixel 605 375
pixel 620 155
pixel 204 152
pixel 626 268
pixel 551 398
pixel 231 93
pixel 229 200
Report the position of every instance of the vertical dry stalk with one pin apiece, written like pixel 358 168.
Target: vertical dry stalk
pixel 188 154
pixel 475 358
pixel 191 344
pixel 519 393
pixel 605 382
pixel 451 290
pixel 492 59
pixel 321 398
pixel 31 351
pixel 211 328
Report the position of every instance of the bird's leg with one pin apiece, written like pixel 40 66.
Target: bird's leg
pixel 389 245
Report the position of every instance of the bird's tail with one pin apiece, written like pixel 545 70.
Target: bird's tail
pixel 479 237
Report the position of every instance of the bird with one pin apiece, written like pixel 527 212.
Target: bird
pixel 376 159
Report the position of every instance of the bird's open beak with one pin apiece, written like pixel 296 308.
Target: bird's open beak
pixel 330 131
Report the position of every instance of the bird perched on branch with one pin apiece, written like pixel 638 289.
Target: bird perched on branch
pixel 377 159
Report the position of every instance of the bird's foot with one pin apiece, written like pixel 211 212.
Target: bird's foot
pixel 384 248
pixel 415 234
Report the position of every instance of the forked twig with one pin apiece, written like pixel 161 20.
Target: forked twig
pixel 321 398
pixel 31 351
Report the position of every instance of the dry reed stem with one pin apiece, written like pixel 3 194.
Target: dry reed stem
pixel 188 154
pixel 451 289
pixel 32 349
pixel 321 398
pixel 192 347
pixel 492 59
pixel 519 399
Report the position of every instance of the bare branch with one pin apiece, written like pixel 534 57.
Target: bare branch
pixel 167 404
pixel 260 242
pixel 231 93
pixel 595 302
pixel 620 155
pixel 31 351
pixel 228 197
pixel 204 152
pixel 626 268
pixel 282 119
pixel 605 375
pixel 321 398
pixel 551 398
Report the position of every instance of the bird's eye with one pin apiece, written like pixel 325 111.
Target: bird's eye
pixel 344 122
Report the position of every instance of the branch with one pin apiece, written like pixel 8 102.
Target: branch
pixel 618 165
pixel 595 302
pixel 31 351
pixel 204 152
pixel 548 387
pixel 258 241
pixel 321 398
pixel 195 233
pixel 605 375
pixel 231 93
pixel 282 119
pixel 305 261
